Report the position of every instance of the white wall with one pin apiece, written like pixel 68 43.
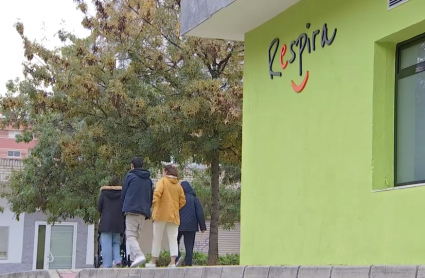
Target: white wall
pixel 16 234
pixel 90 245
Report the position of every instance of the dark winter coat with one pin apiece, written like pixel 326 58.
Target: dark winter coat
pixel 191 215
pixel 109 206
pixel 137 193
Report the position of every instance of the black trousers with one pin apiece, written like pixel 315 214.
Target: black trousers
pixel 189 243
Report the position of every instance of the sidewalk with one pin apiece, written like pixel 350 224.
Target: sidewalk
pixel 68 273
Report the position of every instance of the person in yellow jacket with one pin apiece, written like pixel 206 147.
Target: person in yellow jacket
pixel 168 199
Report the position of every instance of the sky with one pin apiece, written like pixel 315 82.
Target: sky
pixel 42 19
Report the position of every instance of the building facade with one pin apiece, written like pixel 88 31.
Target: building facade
pixel 32 244
pixel 333 166
pixel 9 148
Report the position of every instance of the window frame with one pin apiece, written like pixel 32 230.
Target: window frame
pixel 400 74
pixel 7 228
pixel 14 132
pixel 47 245
pixel 13 156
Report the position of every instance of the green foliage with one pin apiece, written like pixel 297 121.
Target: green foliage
pixel 230 199
pixel 163 260
pixel 231 173
pixel 199 259
pixel 229 259
pixel 49 184
pixel 149 259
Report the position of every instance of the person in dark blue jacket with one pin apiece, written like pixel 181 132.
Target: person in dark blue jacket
pixel 192 220
pixel 137 195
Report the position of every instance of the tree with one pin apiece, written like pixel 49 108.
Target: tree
pixel 200 82
pixel 50 183
pixel 95 113
pixel 169 97
pixel 230 198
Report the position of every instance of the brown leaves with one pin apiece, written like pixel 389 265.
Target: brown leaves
pixel 91 60
pixel 122 23
pixel 87 23
pixel 19 26
pixel 148 8
pixel 191 108
pixel 83 7
pixel 29 54
pixel 100 9
pixel 117 94
pixel 106 151
pixel 70 153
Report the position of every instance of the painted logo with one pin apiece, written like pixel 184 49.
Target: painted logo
pixel 302 42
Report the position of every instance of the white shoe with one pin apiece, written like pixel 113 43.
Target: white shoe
pixel 150 265
pixel 138 261
pixel 172 266
pixel 179 261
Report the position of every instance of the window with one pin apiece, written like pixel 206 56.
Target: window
pixel 13 153
pixel 13 133
pixel 410 112
pixel 4 242
pixel 41 241
pixel 122 61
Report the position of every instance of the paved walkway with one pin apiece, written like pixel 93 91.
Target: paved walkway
pixel 68 273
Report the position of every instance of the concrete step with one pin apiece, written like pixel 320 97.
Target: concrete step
pixel 402 271
pixel 262 272
pixel 66 273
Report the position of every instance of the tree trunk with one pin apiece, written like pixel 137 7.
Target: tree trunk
pixel 215 190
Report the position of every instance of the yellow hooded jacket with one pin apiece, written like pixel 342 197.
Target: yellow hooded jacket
pixel 168 199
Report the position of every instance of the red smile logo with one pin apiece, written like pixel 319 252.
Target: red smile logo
pixel 283 65
pixel 302 42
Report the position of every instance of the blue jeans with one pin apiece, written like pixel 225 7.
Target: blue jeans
pixel 110 243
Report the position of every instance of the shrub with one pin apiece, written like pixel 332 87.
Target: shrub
pixel 163 260
pixel 199 259
pixel 229 259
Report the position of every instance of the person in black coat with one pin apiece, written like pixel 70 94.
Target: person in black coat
pixel 111 225
pixel 192 220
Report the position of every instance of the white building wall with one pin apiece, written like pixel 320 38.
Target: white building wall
pixel 21 233
pixel 16 234
pixel 16 228
pixel 90 245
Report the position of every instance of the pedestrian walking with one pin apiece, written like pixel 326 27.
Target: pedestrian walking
pixel 192 219
pixel 111 225
pixel 167 201
pixel 137 195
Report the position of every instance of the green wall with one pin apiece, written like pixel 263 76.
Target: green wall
pixel 311 161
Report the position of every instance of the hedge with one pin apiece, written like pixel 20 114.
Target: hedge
pixel 199 259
